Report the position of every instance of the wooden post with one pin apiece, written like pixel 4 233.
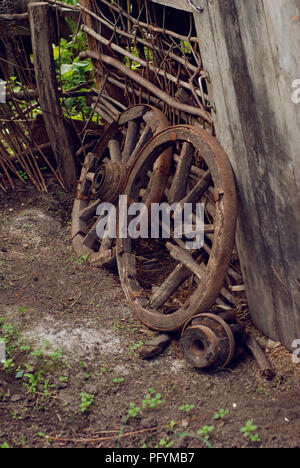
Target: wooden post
pixel 41 33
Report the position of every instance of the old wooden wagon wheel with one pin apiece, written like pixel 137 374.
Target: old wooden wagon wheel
pixel 165 282
pixel 208 340
pixel 104 174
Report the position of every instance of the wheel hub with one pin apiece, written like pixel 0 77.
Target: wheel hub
pixel 109 181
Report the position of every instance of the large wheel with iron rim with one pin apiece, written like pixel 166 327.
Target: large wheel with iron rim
pixel 165 283
pixel 104 174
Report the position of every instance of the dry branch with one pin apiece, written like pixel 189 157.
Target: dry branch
pixel 147 84
pixel 263 363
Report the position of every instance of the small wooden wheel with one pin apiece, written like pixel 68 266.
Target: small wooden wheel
pixel 166 283
pixel 207 341
pixel 103 178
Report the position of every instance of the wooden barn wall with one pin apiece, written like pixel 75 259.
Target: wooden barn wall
pixel 251 49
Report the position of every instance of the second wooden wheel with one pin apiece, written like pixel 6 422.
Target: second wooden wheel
pixel 104 174
pixel 165 282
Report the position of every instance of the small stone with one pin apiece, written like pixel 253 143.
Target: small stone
pixel 16 398
pixel 92 389
pixel 81 376
pixel 155 347
pixel 148 422
pixel 61 385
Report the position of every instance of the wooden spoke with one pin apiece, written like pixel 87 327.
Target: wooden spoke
pixel 87 213
pixel 180 181
pixel 91 238
pixel 198 191
pixel 114 150
pixel 184 257
pixel 178 276
pixel 194 170
pixel 107 242
pixel 144 138
pixel 131 140
pixel 209 229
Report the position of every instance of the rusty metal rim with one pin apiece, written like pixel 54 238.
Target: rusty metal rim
pixel 224 236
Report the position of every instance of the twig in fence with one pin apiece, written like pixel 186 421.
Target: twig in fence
pixel 147 84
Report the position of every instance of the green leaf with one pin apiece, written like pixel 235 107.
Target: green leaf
pixel 19 374
pixel 66 68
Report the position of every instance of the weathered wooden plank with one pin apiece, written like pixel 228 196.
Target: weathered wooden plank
pixel 278 124
pixel 61 142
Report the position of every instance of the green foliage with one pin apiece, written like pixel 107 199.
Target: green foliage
pixel 24 175
pixel 221 414
pixel 152 399
pixel 9 335
pixel 133 410
pixel 86 401
pixel 70 2
pixel 249 429
pixel 118 380
pixel 8 364
pixel 205 432
pixel 165 443
pixel 186 407
pixel 73 73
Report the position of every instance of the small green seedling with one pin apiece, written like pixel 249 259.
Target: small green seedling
pixel 248 431
pixel 204 432
pixel 83 259
pixel 86 401
pixel 165 443
pixel 37 353
pixel 24 175
pixel 8 364
pixel 133 410
pixel 152 399
pixel 187 408
pixel 33 381
pixel 221 414
pixel 63 378
pixel 172 424
pixel 118 380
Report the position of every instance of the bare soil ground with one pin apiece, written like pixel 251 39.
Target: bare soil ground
pixel 72 370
